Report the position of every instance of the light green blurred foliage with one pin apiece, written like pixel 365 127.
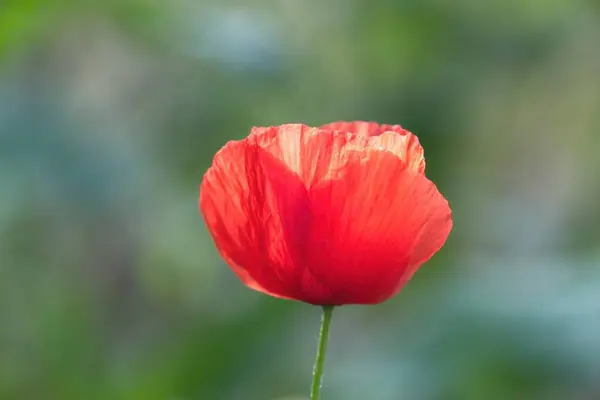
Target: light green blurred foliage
pixel 110 112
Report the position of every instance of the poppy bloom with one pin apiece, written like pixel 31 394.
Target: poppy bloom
pixel 341 214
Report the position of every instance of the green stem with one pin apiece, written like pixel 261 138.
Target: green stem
pixel 320 361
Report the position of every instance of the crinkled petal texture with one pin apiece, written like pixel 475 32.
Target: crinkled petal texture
pixel 341 214
pixel 408 148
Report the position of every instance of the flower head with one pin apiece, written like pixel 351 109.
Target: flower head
pixel 341 214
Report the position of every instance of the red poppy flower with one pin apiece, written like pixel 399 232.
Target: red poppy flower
pixel 341 214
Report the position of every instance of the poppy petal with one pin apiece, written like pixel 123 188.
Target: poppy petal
pixel 404 144
pixel 368 220
pixel 255 207
pixel 309 152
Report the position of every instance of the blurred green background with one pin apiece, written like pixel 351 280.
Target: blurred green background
pixel 111 111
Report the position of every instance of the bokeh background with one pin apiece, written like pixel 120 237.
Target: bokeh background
pixel 111 111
